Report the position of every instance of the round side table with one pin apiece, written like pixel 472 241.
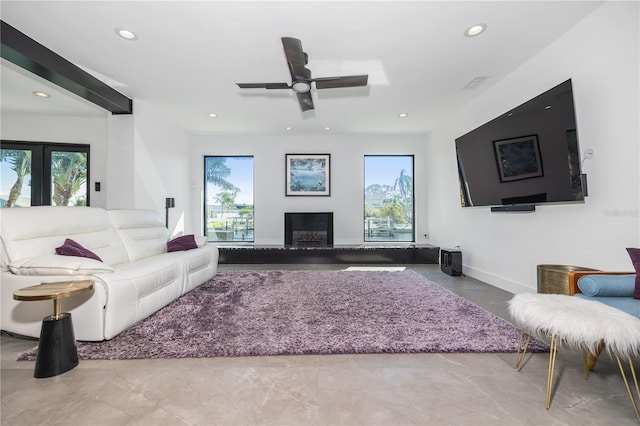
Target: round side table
pixel 57 345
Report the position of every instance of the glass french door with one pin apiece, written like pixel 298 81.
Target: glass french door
pixel 68 172
pixel 15 171
pixel 34 174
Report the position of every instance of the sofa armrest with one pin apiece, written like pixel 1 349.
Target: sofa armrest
pixel 574 276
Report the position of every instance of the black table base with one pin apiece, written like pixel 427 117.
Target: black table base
pixel 57 347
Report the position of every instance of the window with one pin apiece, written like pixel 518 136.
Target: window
pixel 35 174
pixel 388 198
pixel 228 194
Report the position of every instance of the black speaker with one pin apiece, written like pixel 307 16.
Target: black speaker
pixel 451 261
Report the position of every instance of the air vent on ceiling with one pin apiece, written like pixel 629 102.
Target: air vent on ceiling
pixel 473 84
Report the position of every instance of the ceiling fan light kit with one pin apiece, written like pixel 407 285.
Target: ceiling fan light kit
pixel 301 76
pixel 301 86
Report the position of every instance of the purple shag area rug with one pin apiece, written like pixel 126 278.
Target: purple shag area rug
pixel 245 313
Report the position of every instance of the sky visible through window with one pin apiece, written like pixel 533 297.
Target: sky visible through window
pixel 241 176
pixel 385 169
pixel 9 178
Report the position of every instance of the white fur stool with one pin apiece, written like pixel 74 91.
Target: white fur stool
pixel 579 324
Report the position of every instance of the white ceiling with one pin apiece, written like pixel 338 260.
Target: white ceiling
pixel 19 84
pixel 189 55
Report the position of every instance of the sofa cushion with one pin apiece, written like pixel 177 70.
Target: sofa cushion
pixel 626 304
pixel 182 243
pixel 199 264
pixel 142 232
pixel 150 274
pixel 72 248
pixel 607 285
pixel 31 231
pixel 201 240
pixel 634 253
pixel 58 265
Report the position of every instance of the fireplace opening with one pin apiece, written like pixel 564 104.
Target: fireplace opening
pixel 308 229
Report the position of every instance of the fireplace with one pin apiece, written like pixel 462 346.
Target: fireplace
pixel 308 229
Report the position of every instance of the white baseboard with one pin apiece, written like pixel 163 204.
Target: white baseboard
pixel 498 281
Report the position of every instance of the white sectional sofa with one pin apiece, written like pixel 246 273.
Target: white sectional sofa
pixel 137 276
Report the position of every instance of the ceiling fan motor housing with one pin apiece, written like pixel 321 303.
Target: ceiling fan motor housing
pixel 301 86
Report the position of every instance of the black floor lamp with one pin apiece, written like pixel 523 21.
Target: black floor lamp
pixel 168 204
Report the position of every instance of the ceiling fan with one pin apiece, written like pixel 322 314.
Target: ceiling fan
pixel 301 76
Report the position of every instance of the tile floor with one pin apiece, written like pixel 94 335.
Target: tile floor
pixel 404 389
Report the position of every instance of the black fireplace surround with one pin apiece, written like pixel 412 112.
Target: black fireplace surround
pixel 308 229
pixel 309 239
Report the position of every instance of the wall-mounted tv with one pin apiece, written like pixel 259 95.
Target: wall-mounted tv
pixel 527 156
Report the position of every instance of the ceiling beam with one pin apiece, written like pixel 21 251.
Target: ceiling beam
pixel 27 53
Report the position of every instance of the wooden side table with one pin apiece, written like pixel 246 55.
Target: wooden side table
pixel 57 345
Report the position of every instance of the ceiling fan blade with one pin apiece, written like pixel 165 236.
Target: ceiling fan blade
pixel 263 85
pixel 346 81
pixel 296 58
pixel 301 76
pixel 305 100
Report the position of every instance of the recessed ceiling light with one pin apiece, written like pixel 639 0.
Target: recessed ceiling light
pixel 327 128
pixel 475 30
pixel 287 128
pixel 403 115
pixel 126 34
pixel 212 115
pixel 41 94
pixel 547 107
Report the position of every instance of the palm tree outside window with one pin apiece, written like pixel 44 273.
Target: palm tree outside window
pixel 388 198
pixel 35 173
pixel 228 195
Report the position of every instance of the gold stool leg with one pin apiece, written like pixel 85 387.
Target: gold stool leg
pixel 552 365
pixel 626 383
pixel 520 355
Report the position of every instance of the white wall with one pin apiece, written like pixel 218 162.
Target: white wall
pixel 148 162
pixel 120 160
pixel 347 175
pixel 139 159
pixel 601 56
pixel 65 129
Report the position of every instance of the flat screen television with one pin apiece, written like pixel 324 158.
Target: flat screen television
pixel 527 156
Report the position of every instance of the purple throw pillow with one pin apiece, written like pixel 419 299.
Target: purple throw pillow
pixel 72 248
pixel 185 242
pixel 634 253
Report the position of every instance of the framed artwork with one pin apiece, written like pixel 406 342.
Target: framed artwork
pixel 308 174
pixel 518 158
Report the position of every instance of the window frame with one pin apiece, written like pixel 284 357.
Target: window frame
pixel 41 157
pixel 205 195
pixel 413 200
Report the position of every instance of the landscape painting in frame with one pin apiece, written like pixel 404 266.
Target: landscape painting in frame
pixel 308 174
